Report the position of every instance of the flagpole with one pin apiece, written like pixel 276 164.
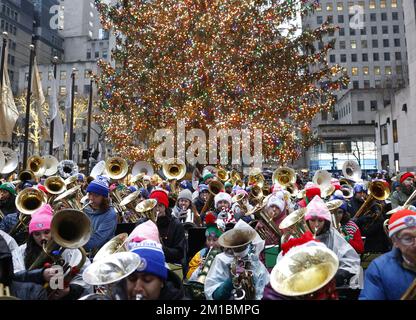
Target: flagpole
pixel 89 126
pixel 29 92
pixel 71 128
pixel 3 52
pixel 51 129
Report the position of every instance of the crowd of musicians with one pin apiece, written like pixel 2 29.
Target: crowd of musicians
pixel 118 234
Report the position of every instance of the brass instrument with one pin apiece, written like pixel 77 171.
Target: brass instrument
pixel 239 199
pixel 222 174
pixel 197 287
pixel 345 183
pixel 27 175
pixel 351 170
pixel 256 193
pixel 111 269
pixel 145 208
pixel 284 176
pixel 10 160
pixel 332 206
pixel 303 271
pixel 292 189
pixel 174 169
pixel 1 215
pixel 410 293
pixel 142 167
pixel 347 191
pixel 117 196
pixel 116 244
pixel 130 203
pixel 327 189
pixel 70 199
pixel 256 178
pixel 55 185
pixel 214 188
pixel 37 165
pixel 235 178
pixel 321 177
pixel 116 168
pixel 238 240
pixel 70 182
pixel 294 224
pixel 51 165
pixel 377 191
pixel 406 205
pixel 28 201
pixel 69 229
pixel 5 293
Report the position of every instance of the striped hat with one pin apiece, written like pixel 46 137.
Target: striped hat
pixel 401 220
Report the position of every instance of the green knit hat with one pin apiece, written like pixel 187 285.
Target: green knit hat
pixel 207 176
pixel 8 187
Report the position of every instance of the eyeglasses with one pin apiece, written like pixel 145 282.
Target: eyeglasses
pixel 407 240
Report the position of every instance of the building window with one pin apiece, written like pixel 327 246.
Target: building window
pixel 382 4
pixel 364 44
pixel 395 135
pixel 396 29
pixel 356 84
pixel 366 84
pixel 330 19
pixel 385 29
pixel 373 17
pixel 340 6
pixel 398 56
pixel 384 16
pixel 365 57
pixel 383 134
pixel 365 71
pixel 388 71
pixel 86 89
pixel 62 75
pixel 329 7
pixel 373 105
pixel 105 54
pixel 373 30
pixel 354 57
pixel 342 44
pixel 354 71
pixel 395 16
pixel 397 42
pixel 360 106
pixel 386 43
pixel 386 56
pixel 378 84
pixel 375 43
pixel 352 32
pixel 324 115
pixel 89 54
pixel 343 58
pixel 340 19
pixel 319 20
pixel 399 70
pixel 341 31
pixel 332 58
pixel 364 31
pixel 319 8
pixel 372 4
pixel 394 3
pixel 97 54
pixel 376 56
pixel 62 90
pixel 377 71
pixel 353 44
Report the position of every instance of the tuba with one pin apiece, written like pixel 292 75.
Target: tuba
pixel 37 165
pixel 321 177
pixel 306 272
pixel 70 199
pixel 69 229
pixel 28 201
pixel 145 208
pixel 284 176
pixel 27 175
pixel 378 190
pixel 55 185
pixel 51 165
pixel 256 178
pixel 10 160
pixel 294 224
pixel 5 293
pixel 237 240
pixel 332 206
pixel 130 203
pixel 351 170
pixel 116 244
pixel 116 168
pixel 214 188
pixel 222 174
pixel 174 170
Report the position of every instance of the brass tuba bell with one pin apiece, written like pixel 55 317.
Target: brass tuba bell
pixel 55 185
pixel 222 174
pixel 116 168
pixel 116 244
pixel 51 165
pixel 145 208
pixel 284 176
pixel 378 190
pixel 351 170
pixel 294 224
pixel 37 165
pixel 27 175
pixel 174 169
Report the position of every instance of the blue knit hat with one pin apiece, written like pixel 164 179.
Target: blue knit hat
pixel 359 188
pixel 144 193
pixel 202 187
pixel 152 256
pixel 99 186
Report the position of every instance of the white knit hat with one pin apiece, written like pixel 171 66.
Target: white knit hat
pixel 277 201
pixel 222 196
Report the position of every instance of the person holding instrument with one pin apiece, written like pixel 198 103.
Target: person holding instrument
pixel 349 229
pixel 102 215
pixel 318 219
pixel 389 276
pixel 39 237
pixel 399 197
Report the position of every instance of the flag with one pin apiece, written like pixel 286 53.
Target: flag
pixel 68 111
pixel 39 100
pixel 58 128
pixel 8 110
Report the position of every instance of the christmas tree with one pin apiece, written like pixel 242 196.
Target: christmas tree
pixel 214 64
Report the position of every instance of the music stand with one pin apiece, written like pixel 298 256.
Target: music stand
pixel 196 240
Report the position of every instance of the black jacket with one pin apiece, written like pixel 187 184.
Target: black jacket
pixel 9 205
pixel 199 204
pixel 172 235
pixel 173 289
pixel 376 239
pixel 21 290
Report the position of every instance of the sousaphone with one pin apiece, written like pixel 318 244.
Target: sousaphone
pixel 10 160
pixel 116 168
pixel 142 167
pixel 51 165
pixel 37 165
pixel 116 244
pixel 174 169
pixel 351 170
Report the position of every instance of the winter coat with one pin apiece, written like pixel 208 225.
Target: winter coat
pixel 349 260
pixel 398 198
pixel 7 225
pixel 376 239
pixel 173 288
pixel 103 225
pixel 9 205
pixel 353 236
pixel 21 290
pixel 199 204
pixel 195 263
pixel 72 256
pixel 172 236
pixel 386 278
